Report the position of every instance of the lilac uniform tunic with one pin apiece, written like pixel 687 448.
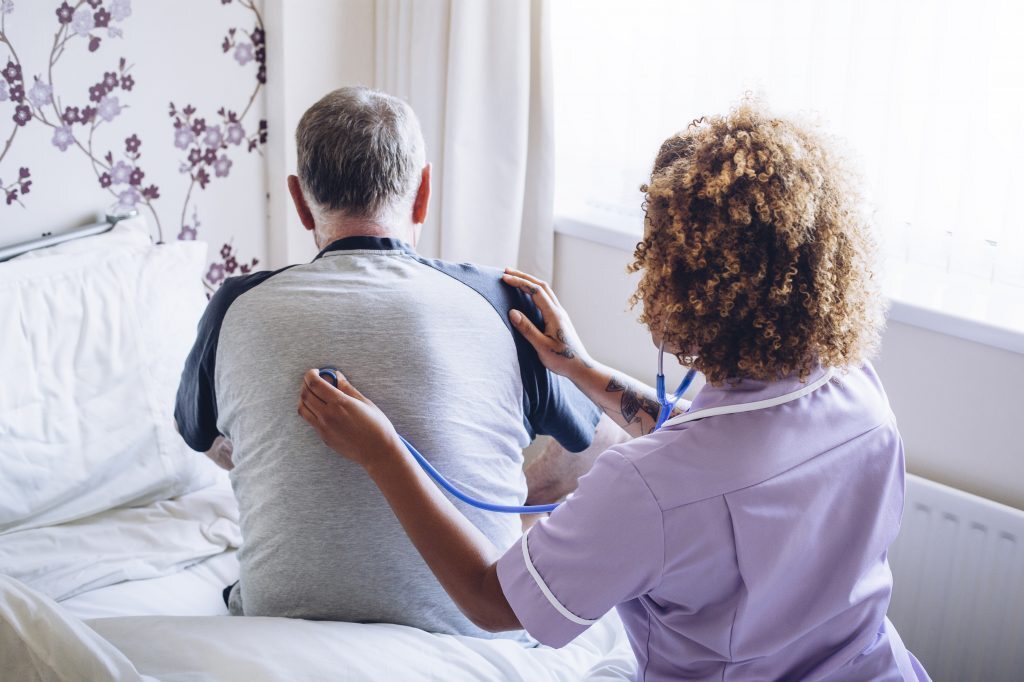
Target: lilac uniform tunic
pixel 741 545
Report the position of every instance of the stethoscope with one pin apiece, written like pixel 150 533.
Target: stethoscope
pixel 659 386
pixel 330 374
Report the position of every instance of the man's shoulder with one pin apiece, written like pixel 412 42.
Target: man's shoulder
pixel 467 273
pixel 233 287
pixel 485 280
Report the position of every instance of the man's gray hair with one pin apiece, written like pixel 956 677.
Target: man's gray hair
pixel 360 152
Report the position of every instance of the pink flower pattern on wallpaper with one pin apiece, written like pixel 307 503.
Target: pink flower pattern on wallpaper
pixel 207 141
pixel 228 265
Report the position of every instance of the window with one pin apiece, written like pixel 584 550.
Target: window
pixel 928 99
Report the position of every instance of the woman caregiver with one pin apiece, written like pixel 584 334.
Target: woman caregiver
pixel 746 538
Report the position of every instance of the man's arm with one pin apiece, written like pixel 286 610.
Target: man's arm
pixel 221 452
pixel 555 472
pixel 195 407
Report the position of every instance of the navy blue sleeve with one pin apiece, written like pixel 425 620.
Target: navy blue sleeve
pixel 555 407
pixel 195 409
pixel 552 404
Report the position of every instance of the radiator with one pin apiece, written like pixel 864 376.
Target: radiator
pixel 958 593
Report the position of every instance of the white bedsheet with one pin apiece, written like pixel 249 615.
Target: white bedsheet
pixel 140 593
pixel 258 649
pixel 111 547
pixel 40 640
pixel 194 591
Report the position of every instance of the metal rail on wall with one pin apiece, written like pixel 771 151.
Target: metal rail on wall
pixel 49 239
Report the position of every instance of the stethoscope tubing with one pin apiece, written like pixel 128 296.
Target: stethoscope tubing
pixel 472 501
pixel 330 375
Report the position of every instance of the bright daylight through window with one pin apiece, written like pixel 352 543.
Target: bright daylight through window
pixel 928 99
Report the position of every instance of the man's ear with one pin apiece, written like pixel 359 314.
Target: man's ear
pixel 422 202
pixel 301 206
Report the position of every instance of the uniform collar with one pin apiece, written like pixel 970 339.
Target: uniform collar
pixel 366 243
pixel 749 390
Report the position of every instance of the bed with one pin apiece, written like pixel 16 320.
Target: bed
pixel 116 541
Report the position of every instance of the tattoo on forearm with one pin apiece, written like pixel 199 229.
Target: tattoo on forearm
pixel 632 403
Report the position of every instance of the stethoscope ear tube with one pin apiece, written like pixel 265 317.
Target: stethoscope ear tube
pixel 666 404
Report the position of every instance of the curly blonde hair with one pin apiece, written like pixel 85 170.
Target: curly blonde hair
pixel 757 262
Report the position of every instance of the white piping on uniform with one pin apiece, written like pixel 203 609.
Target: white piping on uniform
pixel 750 407
pixel 547 592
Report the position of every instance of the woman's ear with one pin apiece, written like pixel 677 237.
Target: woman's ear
pixel 301 205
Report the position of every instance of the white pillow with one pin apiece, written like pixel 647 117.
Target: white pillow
pixel 94 337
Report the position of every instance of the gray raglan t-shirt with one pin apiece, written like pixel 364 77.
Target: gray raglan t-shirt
pixel 430 344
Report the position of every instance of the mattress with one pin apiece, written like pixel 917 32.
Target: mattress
pixel 72 617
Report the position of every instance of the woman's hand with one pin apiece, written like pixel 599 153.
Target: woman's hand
pixel 558 346
pixel 347 421
pixel 630 403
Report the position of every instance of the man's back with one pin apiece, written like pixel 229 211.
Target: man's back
pixel 435 354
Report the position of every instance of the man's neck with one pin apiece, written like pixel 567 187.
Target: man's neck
pixel 341 227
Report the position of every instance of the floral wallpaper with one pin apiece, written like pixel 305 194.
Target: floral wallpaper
pixel 64 125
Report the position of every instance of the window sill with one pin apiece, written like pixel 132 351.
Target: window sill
pixel 614 230
pixel 620 231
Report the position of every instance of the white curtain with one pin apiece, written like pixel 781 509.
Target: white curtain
pixel 478 73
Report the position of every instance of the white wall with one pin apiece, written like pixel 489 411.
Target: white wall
pixel 959 408
pixel 958 403
pixel 320 45
pixel 145 59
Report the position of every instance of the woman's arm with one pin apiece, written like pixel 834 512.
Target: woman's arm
pixel 461 557
pixel 632 404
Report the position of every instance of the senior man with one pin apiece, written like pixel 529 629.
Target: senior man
pixel 428 341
